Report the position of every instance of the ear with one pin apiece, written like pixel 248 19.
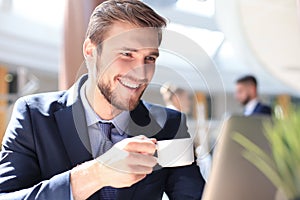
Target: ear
pixel 252 89
pixel 88 48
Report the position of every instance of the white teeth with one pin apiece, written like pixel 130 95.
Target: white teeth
pixel 130 85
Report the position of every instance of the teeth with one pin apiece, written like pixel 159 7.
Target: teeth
pixel 130 85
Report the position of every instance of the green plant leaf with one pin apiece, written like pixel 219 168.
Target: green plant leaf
pixel 250 146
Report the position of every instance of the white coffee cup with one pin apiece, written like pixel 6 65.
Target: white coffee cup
pixel 175 153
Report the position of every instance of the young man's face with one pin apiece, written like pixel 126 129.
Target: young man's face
pixel 126 64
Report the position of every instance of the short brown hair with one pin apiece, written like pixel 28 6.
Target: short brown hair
pixel 130 11
pixel 247 79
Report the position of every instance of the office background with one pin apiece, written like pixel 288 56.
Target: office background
pixel 235 36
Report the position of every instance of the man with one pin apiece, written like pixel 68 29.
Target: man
pixel 246 94
pixel 56 144
pixel 176 98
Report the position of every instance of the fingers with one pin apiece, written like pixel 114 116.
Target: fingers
pixel 134 163
pixel 128 162
pixel 139 177
pixel 138 159
pixel 140 170
pixel 142 137
pixel 132 155
pixel 141 145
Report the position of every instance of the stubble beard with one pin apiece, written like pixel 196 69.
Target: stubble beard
pixel 246 100
pixel 113 99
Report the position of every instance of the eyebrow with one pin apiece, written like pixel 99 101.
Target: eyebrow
pixel 154 53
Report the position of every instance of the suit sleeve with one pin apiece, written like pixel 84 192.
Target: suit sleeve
pixel 267 110
pixel 20 176
pixel 184 182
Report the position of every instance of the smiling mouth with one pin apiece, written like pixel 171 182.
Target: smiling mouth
pixel 131 84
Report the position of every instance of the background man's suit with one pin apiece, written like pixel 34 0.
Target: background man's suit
pixel 47 136
pixel 262 109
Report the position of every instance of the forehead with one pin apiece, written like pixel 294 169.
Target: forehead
pixel 240 85
pixel 244 86
pixel 122 35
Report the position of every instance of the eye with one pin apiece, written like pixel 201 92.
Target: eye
pixel 126 54
pixel 150 59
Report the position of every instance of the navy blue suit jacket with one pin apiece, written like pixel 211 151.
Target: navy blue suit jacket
pixel 47 137
pixel 262 109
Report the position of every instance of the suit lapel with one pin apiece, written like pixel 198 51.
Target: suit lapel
pixel 73 130
pixel 72 125
pixel 141 122
pixel 256 109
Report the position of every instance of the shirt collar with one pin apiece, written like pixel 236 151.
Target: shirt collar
pixel 250 106
pixel 172 107
pixel 120 121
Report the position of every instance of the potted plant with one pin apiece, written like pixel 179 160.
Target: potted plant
pixel 283 166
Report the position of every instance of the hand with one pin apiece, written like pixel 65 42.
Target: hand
pixel 127 162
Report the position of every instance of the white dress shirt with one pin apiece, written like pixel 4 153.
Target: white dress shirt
pixel 250 106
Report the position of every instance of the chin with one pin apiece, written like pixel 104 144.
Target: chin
pixel 127 105
pixel 127 101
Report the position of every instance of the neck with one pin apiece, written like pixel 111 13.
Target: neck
pixel 251 101
pixel 100 105
pixel 172 106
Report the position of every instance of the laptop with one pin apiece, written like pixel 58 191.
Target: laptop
pixel 232 176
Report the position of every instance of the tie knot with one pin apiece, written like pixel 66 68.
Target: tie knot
pixel 105 128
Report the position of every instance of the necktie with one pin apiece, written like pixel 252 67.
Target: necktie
pixel 105 128
pixel 107 193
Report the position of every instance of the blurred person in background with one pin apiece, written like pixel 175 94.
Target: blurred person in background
pixel 246 94
pixel 176 98
pixel 179 99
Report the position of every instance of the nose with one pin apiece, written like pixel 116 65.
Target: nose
pixel 140 68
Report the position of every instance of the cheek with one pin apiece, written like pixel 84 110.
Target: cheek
pixel 104 75
pixel 239 94
pixel 150 69
pixel 109 70
pixel 244 95
pixel 119 67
